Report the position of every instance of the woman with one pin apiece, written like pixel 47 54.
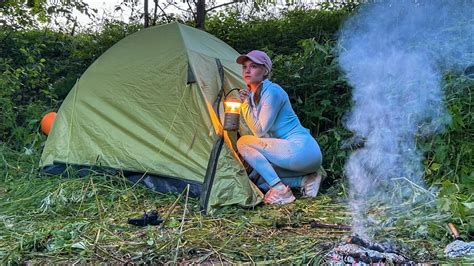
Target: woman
pixel 280 150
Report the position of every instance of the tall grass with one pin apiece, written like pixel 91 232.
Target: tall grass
pixel 52 219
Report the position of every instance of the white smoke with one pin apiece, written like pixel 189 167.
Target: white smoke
pixel 394 54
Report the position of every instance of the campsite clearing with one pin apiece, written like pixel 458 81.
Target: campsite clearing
pixel 50 219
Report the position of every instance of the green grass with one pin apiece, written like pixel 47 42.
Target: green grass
pixel 50 219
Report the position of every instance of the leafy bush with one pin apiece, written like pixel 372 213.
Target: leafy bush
pixel 37 70
pixel 450 156
pixel 279 35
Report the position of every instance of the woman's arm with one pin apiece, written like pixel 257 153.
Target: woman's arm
pixel 260 123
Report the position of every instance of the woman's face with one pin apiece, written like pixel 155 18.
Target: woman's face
pixel 252 72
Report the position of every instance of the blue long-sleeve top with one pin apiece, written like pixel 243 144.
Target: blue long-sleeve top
pixel 273 116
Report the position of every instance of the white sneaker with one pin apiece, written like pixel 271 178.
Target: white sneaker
pixel 310 184
pixel 277 196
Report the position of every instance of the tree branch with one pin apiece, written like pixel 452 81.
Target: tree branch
pixel 221 5
pixel 182 9
pixel 164 13
pixel 191 9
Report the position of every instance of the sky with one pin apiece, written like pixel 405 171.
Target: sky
pixel 105 8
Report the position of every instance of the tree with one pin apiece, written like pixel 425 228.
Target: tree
pixel 197 8
pixel 201 11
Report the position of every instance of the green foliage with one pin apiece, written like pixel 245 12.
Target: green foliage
pixel 30 14
pixel 449 163
pixel 279 35
pixel 37 70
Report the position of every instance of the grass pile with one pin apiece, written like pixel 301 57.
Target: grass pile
pixel 51 219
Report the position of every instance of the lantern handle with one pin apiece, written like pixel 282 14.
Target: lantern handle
pixel 225 94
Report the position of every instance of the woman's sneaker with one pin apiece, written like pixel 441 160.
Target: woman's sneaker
pixel 279 196
pixel 310 184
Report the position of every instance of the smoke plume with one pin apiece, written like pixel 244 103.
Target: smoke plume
pixel 394 54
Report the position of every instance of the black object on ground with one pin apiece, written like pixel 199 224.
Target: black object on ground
pixel 148 218
pixel 317 224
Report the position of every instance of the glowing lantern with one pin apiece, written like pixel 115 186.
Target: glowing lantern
pixel 232 114
pixel 47 122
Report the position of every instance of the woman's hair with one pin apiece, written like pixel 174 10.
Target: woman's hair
pixel 268 73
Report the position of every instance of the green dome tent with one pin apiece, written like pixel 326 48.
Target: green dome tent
pixel 151 108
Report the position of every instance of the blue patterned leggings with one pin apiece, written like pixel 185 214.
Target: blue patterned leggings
pixel 285 160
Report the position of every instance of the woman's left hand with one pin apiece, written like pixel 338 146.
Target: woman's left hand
pixel 244 94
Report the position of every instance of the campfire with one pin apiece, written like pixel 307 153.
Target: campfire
pixel 355 249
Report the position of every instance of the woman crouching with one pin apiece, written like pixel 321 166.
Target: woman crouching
pixel 280 150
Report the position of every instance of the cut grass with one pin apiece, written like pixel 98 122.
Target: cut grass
pixel 50 219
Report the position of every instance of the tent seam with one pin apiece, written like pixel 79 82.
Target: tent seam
pixel 74 99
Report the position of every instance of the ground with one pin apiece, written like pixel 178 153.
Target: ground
pixel 50 219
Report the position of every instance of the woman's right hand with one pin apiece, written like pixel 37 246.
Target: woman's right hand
pixel 244 94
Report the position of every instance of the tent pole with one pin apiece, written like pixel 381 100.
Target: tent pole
pixel 216 150
pixel 210 173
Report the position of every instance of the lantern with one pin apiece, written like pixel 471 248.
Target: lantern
pixel 232 114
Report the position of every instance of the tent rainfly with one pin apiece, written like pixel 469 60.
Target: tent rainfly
pixel 150 108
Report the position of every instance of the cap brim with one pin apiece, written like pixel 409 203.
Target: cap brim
pixel 241 59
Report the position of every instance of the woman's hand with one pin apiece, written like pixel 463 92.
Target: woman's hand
pixel 244 94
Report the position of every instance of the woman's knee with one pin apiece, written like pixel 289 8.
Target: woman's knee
pixel 244 142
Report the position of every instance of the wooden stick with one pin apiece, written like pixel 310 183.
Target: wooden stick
pixel 316 224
